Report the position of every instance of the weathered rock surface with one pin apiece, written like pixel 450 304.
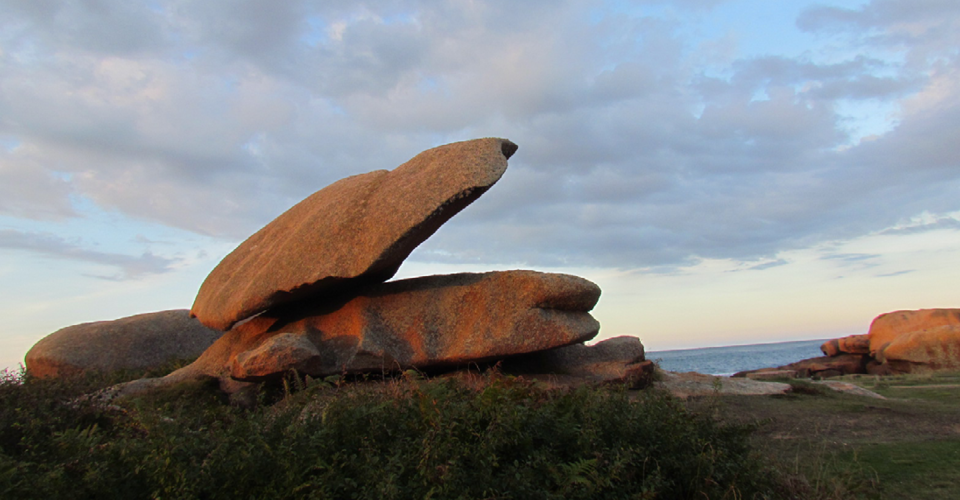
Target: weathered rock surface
pixel 936 348
pixel 353 233
pixel 691 384
pixel 848 388
pixel 138 342
pixel 822 367
pixel 852 344
pixel 887 327
pixel 424 322
pixel 618 359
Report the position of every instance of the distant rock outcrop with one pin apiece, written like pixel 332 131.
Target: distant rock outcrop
pixel 852 344
pixel 936 348
pixel 140 342
pixel 897 342
pixel 352 233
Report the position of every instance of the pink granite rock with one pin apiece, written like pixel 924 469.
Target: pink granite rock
pixel 138 342
pixel 424 322
pixel 352 233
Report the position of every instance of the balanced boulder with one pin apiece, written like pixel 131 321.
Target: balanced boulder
pixel 140 342
pixel 352 233
pixel 427 322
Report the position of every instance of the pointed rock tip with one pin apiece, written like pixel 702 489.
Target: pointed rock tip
pixel 507 147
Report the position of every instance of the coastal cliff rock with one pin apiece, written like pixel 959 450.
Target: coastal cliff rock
pixel 140 342
pixel 427 322
pixel 353 233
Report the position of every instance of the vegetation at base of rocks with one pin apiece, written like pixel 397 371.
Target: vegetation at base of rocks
pixel 476 437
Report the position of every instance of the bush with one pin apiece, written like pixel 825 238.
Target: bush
pixel 499 438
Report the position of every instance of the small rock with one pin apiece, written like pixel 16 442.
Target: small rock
pixel 618 359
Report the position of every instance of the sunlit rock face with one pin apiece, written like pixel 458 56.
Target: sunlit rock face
pixel 887 327
pixel 427 322
pixel 352 233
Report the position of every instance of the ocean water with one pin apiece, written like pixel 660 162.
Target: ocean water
pixel 731 359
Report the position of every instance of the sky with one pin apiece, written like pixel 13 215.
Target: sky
pixel 728 171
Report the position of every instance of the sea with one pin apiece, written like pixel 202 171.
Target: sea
pixel 732 359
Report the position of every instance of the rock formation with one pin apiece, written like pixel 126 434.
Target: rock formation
pixel 852 344
pixel 140 342
pixel 887 327
pixel 354 232
pixel 936 348
pixel 427 322
pixel 897 342
pixel 618 359
pixel 306 293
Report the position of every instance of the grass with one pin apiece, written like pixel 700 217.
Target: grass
pixel 844 446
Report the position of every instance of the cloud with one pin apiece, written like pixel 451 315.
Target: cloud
pixel 633 152
pixel 128 266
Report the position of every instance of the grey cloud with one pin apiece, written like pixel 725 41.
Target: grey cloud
pixel 897 273
pixel 629 157
pixel 767 265
pixel 128 266
pixel 28 190
pixel 940 223
pixel 103 26
pixel 850 257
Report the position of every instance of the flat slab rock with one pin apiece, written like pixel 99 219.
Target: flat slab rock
pixel 352 233
pixel 692 384
pixel 422 322
pixel 138 342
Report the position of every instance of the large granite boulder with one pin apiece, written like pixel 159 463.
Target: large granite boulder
pixel 140 342
pixel 936 348
pixel 887 327
pixel 352 233
pixel 428 322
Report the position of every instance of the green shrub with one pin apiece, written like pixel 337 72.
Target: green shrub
pixel 493 438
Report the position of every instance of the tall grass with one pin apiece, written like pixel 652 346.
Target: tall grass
pixel 488 437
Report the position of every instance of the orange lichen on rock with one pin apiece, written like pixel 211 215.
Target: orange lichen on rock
pixel 933 348
pixel 421 322
pixel 887 327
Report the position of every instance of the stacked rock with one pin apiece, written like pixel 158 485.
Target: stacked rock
pixel 309 291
